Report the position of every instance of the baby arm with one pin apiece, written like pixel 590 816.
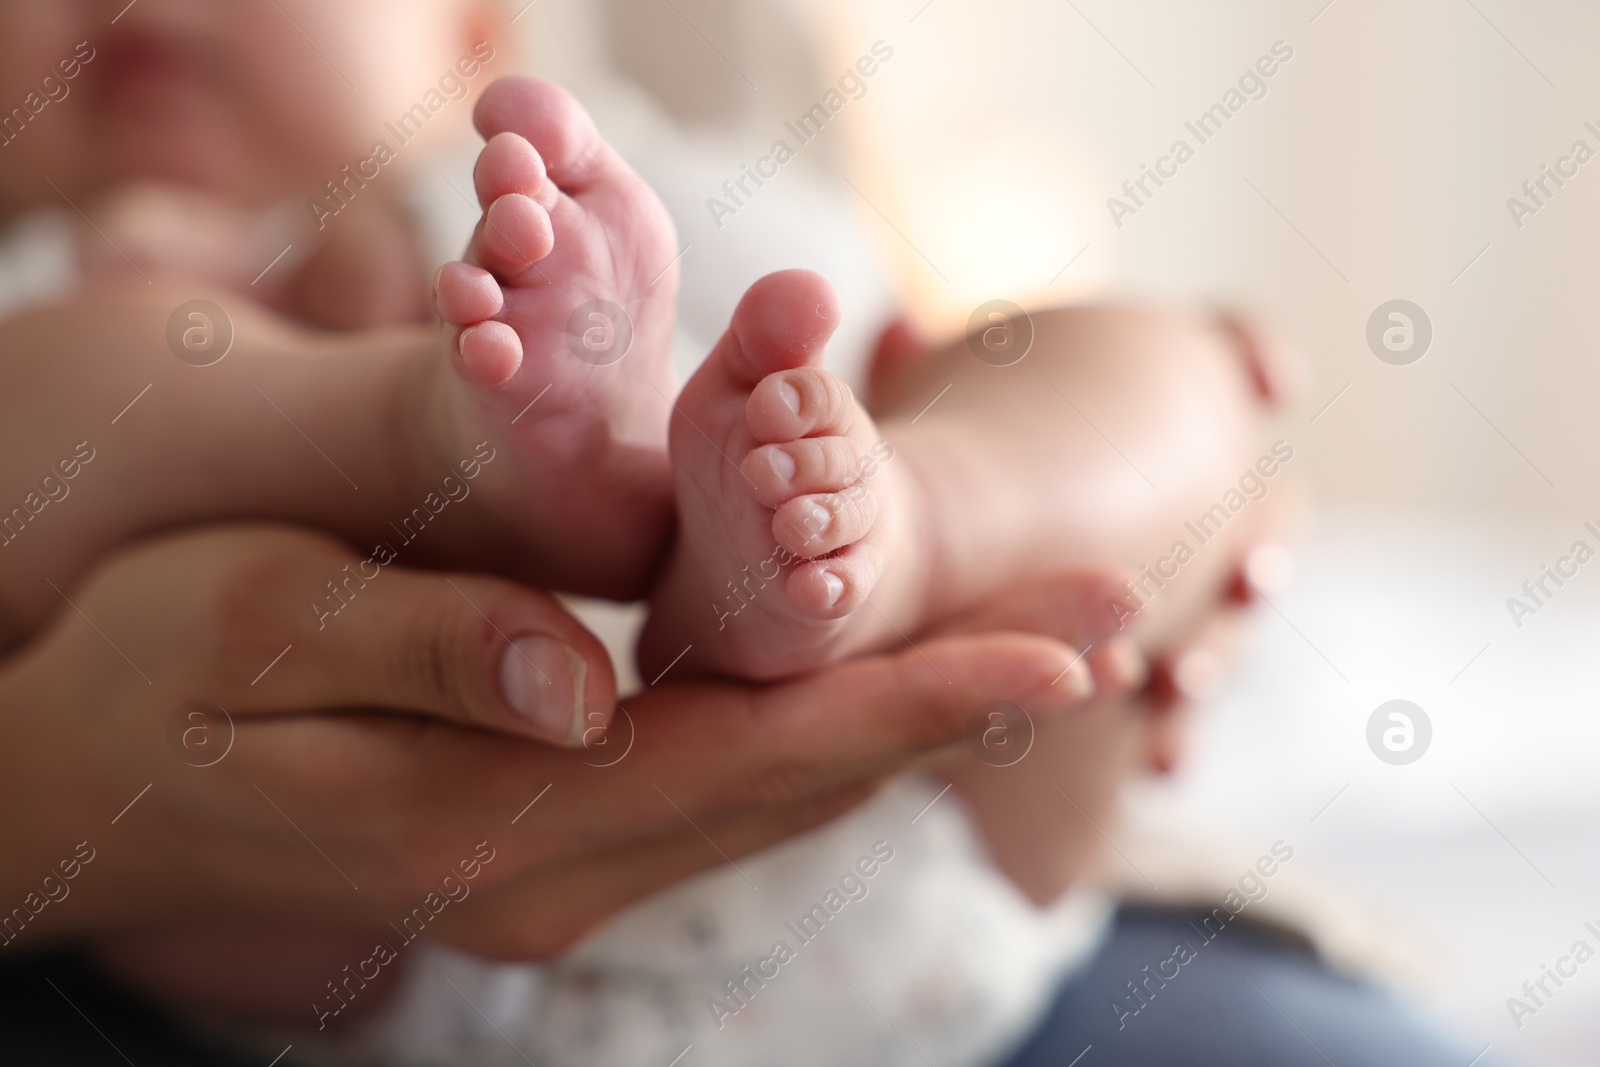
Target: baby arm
pixel 365 272
pixel 286 425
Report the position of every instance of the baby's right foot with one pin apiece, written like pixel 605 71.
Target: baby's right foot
pixel 562 359
pixel 792 510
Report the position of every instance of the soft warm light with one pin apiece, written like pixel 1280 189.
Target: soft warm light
pixel 1000 217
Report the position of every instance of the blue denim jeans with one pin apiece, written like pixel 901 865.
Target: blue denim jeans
pixel 1243 996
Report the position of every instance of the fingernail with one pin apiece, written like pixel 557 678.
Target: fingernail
pixel 832 587
pixel 783 464
pixel 790 396
pixel 543 681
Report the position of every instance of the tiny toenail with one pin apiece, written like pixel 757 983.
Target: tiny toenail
pixel 817 519
pixel 461 340
pixel 832 587
pixel 782 464
pixel 790 396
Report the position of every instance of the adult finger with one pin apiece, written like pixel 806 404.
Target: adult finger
pixel 680 756
pixel 677 755
pixel 272 619
pixel 755 747
pixel 546 911
pixel 1089 610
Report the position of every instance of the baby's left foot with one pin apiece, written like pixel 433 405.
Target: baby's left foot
pixel 794 543
pixel 563 359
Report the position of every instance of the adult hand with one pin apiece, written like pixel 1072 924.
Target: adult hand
pixel 1092 612
pixel 324 812
pixel 1042 793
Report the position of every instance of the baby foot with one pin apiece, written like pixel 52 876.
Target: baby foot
pixel 562 354
pixel 791 510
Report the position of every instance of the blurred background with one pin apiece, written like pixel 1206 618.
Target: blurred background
pixel 1377 166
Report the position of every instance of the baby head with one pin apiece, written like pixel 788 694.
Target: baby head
pixel 254 99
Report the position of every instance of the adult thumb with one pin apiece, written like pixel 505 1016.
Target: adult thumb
pixel 264 619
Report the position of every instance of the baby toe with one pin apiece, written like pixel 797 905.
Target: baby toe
pixel 810 465
pixel 488 354
pixel 514 233
pixel 817 524
pixel 510 164
pixel 545 114
pixel 835 587
pixel 464 294
pixel 803 402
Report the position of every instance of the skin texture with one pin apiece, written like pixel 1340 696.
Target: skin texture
pixel 757 587
pixel 567 226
